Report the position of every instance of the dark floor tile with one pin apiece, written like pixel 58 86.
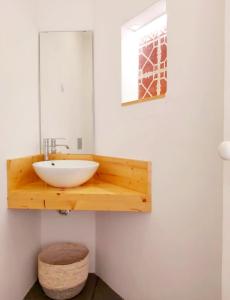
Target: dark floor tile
pixel 104 292
pixel 95 289
pixel 36 292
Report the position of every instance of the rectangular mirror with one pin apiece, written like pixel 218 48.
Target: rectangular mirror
pixel 66 89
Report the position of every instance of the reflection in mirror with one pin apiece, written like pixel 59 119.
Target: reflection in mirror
pixel 66 89
pixel 144 55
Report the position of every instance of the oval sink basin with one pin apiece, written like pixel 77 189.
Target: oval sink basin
pixel 65 173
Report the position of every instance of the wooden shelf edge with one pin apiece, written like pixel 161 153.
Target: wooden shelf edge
pixel 58 199
pixel 120 185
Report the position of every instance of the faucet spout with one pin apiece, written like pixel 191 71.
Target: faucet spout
pixel 61 145
pixel 50 146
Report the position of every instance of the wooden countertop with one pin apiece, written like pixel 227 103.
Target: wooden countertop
pixel 119 185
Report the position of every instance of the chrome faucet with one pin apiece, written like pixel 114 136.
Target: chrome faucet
pixel 46 148
pixel 50 146
pixel 54 145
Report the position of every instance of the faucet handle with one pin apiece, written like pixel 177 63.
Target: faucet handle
pixel 54 141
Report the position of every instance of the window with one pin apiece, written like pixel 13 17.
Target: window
pixel 144 56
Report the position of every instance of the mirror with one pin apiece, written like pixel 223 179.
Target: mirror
pixel 144 55
pixel 66 89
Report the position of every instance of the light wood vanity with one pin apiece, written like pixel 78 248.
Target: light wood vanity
pixel 118 185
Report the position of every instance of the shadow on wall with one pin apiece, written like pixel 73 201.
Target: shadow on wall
pixel 20 243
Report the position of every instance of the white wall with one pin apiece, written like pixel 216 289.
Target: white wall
pixel 226 179
pixel 174 252
pixel 19 230
pixel 71 15
pixel 61 15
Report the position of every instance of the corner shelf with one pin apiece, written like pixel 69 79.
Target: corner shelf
pixel 119 185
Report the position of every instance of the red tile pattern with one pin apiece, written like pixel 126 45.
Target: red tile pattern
pixel 152 79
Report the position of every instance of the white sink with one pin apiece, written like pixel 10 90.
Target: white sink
pixel 65 173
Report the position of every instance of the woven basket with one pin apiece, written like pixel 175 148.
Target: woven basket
pixel 63 270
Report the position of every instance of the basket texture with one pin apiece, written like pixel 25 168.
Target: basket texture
pixel 63 270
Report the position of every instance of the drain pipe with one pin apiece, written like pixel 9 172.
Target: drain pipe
pixel 64 212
